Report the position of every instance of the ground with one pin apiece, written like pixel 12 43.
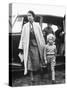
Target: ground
pixel 40 78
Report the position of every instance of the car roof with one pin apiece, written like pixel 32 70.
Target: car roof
pixel 56 20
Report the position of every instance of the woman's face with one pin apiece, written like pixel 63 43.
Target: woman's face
pixel 30 17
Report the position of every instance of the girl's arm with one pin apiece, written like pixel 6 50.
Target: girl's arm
pixel 55 51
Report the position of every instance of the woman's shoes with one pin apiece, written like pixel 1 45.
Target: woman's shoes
pixel 32 82
pixel 53 82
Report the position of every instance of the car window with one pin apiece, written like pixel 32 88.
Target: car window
pixel 16 24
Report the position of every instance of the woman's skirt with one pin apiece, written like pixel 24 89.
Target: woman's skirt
pixel 33 59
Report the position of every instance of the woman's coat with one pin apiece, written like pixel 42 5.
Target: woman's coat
pixel 24 41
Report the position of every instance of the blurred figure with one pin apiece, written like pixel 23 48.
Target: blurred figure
pixel 47 31
pixel 60 41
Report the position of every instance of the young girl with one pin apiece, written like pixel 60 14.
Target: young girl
pixel 50 56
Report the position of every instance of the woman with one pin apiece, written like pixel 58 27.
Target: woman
pixel 32 42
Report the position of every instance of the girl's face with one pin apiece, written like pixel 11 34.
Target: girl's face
pixel 50 41
pixel 30 17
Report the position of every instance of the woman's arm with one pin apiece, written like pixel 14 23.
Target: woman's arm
pixel 21 44
pixel 41 35
pixel 45 54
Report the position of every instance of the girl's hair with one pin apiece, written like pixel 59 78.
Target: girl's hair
pixel 51 36
pixel 33 14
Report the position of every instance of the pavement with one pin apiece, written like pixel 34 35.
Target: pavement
pixel 40 78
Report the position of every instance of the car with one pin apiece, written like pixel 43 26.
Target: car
pixel 15 29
